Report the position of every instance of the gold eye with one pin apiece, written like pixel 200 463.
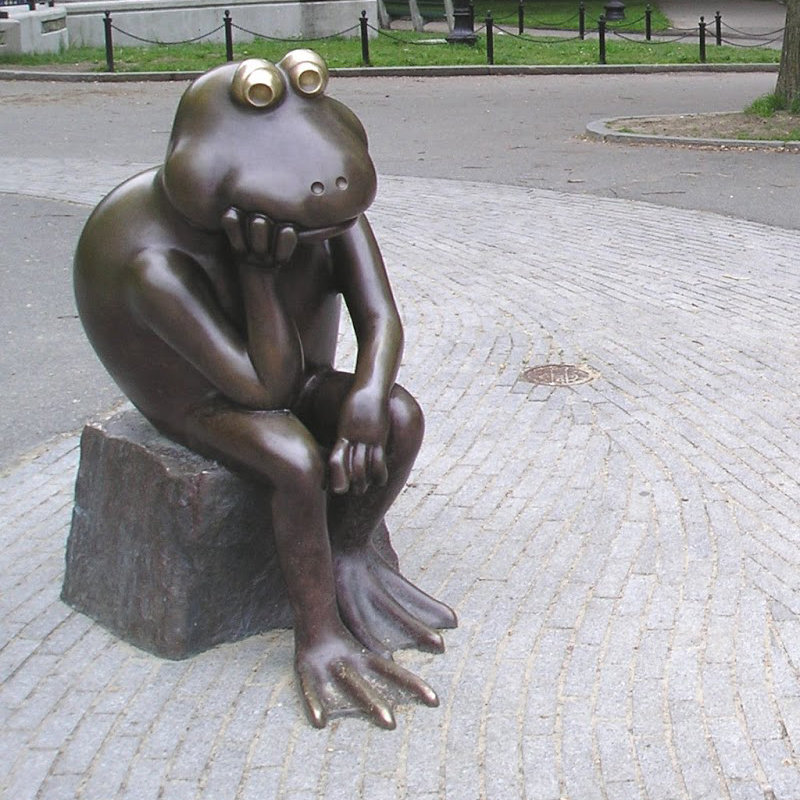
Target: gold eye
pixel 307 71
pixel 257 83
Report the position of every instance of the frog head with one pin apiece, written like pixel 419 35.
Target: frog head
pixel 264 138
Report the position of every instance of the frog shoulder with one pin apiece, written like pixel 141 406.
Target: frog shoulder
pixel 131 193
pixel 117 226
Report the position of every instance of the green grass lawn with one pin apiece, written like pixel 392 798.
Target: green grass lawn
pixel 398 50
pixel 405 48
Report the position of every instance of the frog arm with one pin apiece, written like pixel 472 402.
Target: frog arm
pixel 358 458
pixel 361 276
pixel 173 297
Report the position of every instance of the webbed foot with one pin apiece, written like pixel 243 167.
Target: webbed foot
pixel 382 609
pixel 338 677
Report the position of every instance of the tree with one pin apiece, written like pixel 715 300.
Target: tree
pixel 788 85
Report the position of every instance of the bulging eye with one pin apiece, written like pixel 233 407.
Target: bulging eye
pixel 307 71
pixel 257 83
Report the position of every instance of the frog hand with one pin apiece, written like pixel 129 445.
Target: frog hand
pixel 356 466
pixel 256 239
pixel 358 457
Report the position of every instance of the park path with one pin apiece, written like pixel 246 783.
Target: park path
pixel 741 16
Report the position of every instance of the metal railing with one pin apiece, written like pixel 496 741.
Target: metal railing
pixel 489 30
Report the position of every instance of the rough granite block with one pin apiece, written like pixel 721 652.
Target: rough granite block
pixel 171 551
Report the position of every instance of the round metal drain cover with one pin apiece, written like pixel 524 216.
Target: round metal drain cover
pixel 558 375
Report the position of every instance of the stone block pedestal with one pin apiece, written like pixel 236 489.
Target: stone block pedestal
pixel 168 550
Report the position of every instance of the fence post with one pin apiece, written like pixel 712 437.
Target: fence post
pixel 364 39
pixel 648 22
pixel 718 25
pixel 582 20
pixel 489 38
pixel 702 40
pixel 521 17
pixel 601 32
pixel 228 22
pixel 109 42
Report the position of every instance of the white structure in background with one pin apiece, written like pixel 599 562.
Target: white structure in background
pixel 81 23
pixel 23 30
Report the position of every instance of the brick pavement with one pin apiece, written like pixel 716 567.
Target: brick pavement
pixel 623 554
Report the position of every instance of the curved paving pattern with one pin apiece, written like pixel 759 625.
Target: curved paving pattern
pixel 623 554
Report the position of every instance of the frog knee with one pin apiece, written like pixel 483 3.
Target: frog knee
pixel 408 421
pixel 301 468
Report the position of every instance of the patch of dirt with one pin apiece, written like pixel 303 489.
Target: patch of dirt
pixel 782 126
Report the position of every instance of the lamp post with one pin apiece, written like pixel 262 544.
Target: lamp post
pixel 463 29
pixel 615 10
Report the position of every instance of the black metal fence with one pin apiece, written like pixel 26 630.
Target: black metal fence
pixel 491 28
pixel 606 29
pixel 227 25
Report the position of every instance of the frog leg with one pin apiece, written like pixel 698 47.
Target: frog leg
pixel 337 675
pixel 381 608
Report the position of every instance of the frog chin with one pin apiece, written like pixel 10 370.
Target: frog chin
pixel 308 230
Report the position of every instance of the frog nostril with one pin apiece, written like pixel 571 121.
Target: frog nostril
pixel 317 187
pixel 341 183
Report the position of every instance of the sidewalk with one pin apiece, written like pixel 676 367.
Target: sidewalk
pixel 740 17
pixel 623 554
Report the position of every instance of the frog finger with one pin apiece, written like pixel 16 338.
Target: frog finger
pixel 232 225
pixel 359 464
pixel 339 466
pixel 260 229
pixel 370 700
pixel 315 707
pixel 407 680
pixel 285 244
pixel 378 471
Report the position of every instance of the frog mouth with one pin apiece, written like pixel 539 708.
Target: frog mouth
pixel 318 234
pixel 286 237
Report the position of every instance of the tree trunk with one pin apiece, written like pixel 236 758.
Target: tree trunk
pixel 417 22
pixel 384 20
pixel 788 85
pixel 448 13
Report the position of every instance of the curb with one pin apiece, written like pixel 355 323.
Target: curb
pixel 402 72
pixel 95 77
pixel 544 69
pixel 599 129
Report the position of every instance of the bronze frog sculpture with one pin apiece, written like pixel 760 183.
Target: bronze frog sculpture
pixel 210 288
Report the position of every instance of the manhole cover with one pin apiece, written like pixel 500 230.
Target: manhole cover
pixel 558 375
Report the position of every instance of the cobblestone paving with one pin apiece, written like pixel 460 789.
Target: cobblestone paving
pixel 623 554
